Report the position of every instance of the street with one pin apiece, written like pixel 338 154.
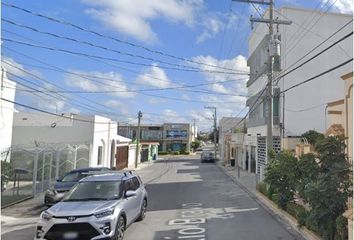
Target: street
pixel 191 200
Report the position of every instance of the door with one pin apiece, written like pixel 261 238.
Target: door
pixel 122 157
pixel 132 205
pixel 144 155
pixel 253 159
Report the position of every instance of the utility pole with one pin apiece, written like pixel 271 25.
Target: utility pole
pixel 194 133
pixel 274 50
pixel 215 128
pixel 137 152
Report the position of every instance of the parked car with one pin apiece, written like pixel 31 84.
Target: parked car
pixel 62 186
pixel 98 207
pixel 207 156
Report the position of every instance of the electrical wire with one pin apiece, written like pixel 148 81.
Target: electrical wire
pixel 109 37
pixel 317 76
pixel 180 67
pixel 313 57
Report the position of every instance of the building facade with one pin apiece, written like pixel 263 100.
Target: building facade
pixel 227 126
pixel 95 134
pixel 169 136
pixel 7 91
pixel 302 108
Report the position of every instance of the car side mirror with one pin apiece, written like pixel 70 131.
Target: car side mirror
pixel 130 193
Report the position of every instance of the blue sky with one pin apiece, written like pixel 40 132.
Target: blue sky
pixel 208 32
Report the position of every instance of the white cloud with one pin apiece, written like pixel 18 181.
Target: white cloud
pixel 156 101
pixel 154 77
pixel 133 17
pixel 238 63
pixel 212 26
pixel 343 6
pixel 185 97
pixel 117 106
pixel 13 67
pixel 114 82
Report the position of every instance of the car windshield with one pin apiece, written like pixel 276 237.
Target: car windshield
pixel 74 177
pixel 101 190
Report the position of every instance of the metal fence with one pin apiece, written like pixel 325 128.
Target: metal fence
pixel 27 171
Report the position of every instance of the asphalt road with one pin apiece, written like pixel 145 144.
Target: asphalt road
pixel 193 201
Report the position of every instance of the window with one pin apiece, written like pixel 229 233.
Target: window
pixel 99 155
pixel 136 183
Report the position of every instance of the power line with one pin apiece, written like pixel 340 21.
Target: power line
pixel 313 57
pixel 317 76
pixel 83 105
pixel 51 113
pixel 109 37
pixel 314 33
pixel 306 109
pixel 89 77
pixel 180 67
pixel 143 93
pixel 108 58
pixel 301 37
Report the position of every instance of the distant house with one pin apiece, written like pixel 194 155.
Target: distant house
pixel 85 141
pixel 169 136
pixel 7 91
pixel 227 127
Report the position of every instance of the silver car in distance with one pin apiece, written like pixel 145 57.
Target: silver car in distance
pixel 97 207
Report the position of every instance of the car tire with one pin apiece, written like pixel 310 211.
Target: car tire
pixel 120 229
pixel 143 210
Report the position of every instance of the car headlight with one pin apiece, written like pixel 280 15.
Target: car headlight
pixel 46 216
pixel 51 192
pixel 104 213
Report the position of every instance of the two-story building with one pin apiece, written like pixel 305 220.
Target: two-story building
pixel 169 136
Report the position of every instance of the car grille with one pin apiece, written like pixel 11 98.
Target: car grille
pixel 65 231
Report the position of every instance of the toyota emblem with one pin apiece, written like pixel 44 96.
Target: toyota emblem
pixel 71 219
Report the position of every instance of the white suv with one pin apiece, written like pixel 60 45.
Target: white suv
pixel 98 207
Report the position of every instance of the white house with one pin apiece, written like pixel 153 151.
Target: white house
pixel 227 125
pixel 96 134
pixel 7 91
pixel 302 108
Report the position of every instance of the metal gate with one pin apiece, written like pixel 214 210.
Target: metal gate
pixel 122 157
pixel 144 155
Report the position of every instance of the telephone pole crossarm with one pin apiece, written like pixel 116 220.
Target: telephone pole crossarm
pixel 275 21
pixel 253 1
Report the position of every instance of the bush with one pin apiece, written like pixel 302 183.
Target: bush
pixel 176 153
pixel 342 228
pixel 163 153
pixel 184 152
pixel 298 212
pixel 262 188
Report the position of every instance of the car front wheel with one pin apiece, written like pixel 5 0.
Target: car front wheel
pixel 120 229
pixel 143 211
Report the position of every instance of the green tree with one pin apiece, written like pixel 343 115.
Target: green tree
pixel 281 176
pixel 195 144
pixel 327 191
pixel 308 172
pixel 312 136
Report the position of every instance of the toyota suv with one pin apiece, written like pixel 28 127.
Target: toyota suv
pixel 62 186
pixel 97 207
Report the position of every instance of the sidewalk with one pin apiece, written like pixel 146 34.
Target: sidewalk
pixel 247 181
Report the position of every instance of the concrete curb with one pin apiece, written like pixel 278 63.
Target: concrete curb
pixel 273 209
pixel 16 202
